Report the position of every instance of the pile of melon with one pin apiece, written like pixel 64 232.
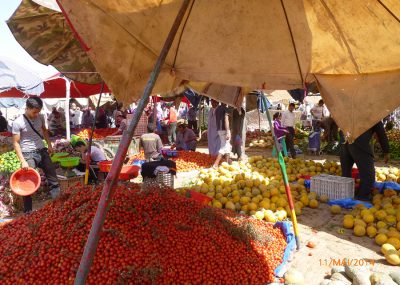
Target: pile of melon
pixel 381 222
pixel 256 187
pixel 387 174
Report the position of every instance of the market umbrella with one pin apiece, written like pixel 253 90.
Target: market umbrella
pixel 281 44
pixel 14 76
pixel 44 33
pixel 55 87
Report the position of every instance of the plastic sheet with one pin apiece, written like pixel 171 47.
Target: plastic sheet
pixel 348 203
pixel 287 230
pixel 387 185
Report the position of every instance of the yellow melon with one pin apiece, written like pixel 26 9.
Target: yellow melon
pixel 380 239
pixel 335 209
pixel 359 231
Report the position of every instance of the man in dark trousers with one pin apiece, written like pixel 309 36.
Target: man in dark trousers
pixel 360 152
pixel 29 131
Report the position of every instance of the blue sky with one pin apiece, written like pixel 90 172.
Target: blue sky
pixel 10 48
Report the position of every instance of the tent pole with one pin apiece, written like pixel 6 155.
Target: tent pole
pixel 111 180
pixel 284 174
pixel 67 96
pixel 89 149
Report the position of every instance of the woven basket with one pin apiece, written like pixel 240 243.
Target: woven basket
pixel 69 182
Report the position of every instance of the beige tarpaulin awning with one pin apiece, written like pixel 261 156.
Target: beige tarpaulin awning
pixel 352 48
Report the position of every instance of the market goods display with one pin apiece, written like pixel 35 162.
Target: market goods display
pixel 98 133
pixel 6 143
pixel 62 145
pixel 381 222
pixel 256 188
pixel 394 135
pixel 154 237
pixel 9 162
pixel 186 160
pixel 360 275
pixel 387 174
pixel 260 139
pixel 6 197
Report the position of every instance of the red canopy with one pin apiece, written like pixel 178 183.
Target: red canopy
pixel 56 88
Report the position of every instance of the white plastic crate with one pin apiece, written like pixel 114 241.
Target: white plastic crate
pixel 335 187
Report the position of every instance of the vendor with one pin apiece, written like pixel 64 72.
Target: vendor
pixel 3 123
pixel 185 139
pixel 121 122
pixel 96 156
pixel 360 152
pixel 55 123
pixel 151 144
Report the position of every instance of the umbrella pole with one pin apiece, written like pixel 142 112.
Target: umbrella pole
pixel 110 182
pixel 284 175
pixel 89 151
pixel 67 96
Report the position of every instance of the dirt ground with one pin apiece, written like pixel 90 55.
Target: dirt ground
pixel 332 242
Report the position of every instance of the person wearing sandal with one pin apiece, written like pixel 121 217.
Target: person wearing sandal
pixel 224 133
pixel 29 131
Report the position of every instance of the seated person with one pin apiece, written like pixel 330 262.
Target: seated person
pixel 121 122
pixel 151 144
pixel 96 155
pixel 185 139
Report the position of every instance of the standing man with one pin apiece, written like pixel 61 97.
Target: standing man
pixel 318 112
pixel 224 133
pixel 74 116
pixel 29 130
pixel 360 152
pixel 172 121
pixel 192 119
pixel 214 142
pixel 238 132
pixel 288 121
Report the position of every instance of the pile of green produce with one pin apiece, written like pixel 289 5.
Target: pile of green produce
pixel 9 162
pixel 394 150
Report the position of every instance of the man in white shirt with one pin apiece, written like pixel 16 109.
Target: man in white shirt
pixel 288 121
pixel 318 112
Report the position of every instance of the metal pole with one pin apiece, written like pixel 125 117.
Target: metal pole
pixel 284 175
pixel 107 192
pixel 88 158
pixel 67 96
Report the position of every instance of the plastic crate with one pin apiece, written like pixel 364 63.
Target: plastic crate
pixel 335 187
pixel 113 142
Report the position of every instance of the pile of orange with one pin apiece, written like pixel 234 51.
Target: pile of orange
pixel 98 133
pixel 186 160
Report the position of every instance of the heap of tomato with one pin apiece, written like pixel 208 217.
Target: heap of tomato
pixel 187 160
pixel 154 237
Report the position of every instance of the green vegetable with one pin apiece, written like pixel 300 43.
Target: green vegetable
pixel 9 162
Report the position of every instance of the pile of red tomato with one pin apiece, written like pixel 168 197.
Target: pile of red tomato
pixel 98 133
pixel 152 237
pixel 186 160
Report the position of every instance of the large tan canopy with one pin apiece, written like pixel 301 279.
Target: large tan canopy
pixel 352 48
